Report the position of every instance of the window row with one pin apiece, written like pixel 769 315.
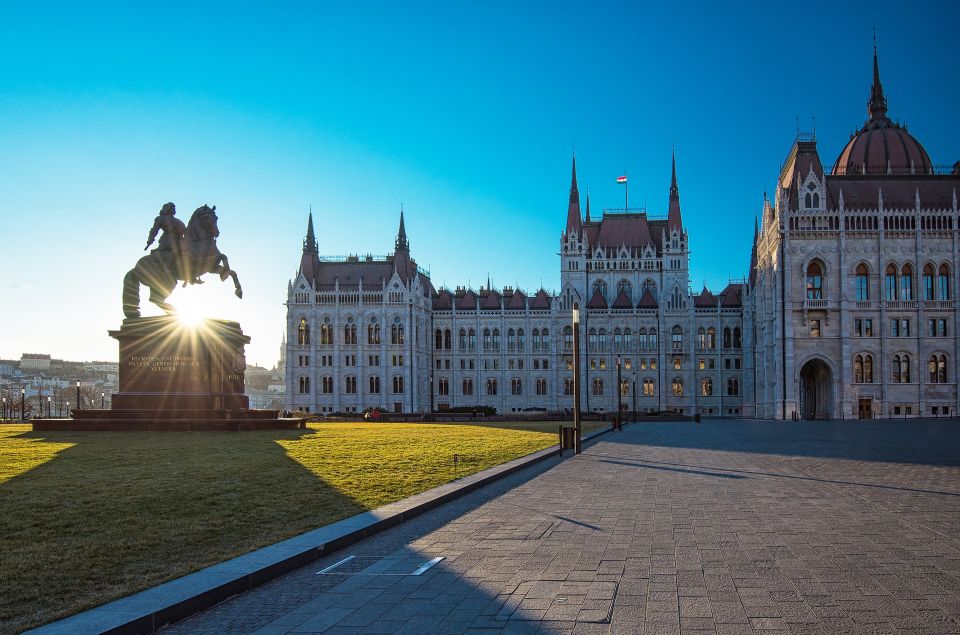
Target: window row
pixel 897 282
pixel 350 385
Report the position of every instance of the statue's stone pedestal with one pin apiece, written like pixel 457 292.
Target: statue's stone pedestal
pixel 175 376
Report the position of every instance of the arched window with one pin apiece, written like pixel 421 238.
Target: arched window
pixel 652 338
pixel 592 340
pixel 327 383
pixel 808 200
pixel 536 339
pixel 374 385
pixel 711 338
pixel 567 338
pixel 447 344
pixel 937 367
pixel 906 282
pixel 890 283
pixel 649 387
pixel 737 339
pixel 625 286
pixel 511 336
pixel 928 282
pixel 868 369
pixel 617 339
pixel 727 340
pixel 349 332
pixel 398 384
pixel 642 339
pixel 373 332
pixel 602 339
pixel 858 369
pixel 472 337
pixel 568 386
pixel 624 387
pixel 304 385
pixel 600 286
pixel 491 386
pixel 943 283
pixel 814 281
pixel 438 340
pixel 521 341
pixel 486 339
pixel 706 386
pixel 443 386
pixel 545 339
pixel 598 387
pixel 468 386
pixel 677 387
pixel 627 339
pixel 901 369
pixel 862 283
pixel 701 338
pixel 733 387
pixel 541 387
pixel 516 386
pixel 396 332
pixel 895 369
pixel 677 338
pixel 303 332
pixel 350 385
pixel 326 332
pixel 496 339
pixel 462 339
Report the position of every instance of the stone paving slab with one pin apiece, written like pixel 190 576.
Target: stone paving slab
pixel 722 527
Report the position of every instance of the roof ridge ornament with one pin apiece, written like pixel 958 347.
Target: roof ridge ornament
pixel 877 106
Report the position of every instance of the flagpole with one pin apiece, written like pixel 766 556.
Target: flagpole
pixel 626 193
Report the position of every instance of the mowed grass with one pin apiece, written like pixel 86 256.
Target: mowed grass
pixel 86 518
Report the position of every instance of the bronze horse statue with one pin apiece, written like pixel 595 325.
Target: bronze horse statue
pixel 195 255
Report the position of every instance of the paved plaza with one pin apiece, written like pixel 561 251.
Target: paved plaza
pixel 723 527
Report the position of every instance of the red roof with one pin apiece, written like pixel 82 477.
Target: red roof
pixel 541 300
pixel 597 301
pixel 622 301
pixel 466 300
pixel 516 301
pixel 443 301
pixel 705 300
pixel 489 300
pixel 647 301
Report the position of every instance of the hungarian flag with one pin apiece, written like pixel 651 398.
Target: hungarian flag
pixel 622 179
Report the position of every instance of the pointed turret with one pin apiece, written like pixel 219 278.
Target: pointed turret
pixel 310 242
pixel 674 221
pixel 402 244
pixel 877 106
pixel 574 224
pixel 752 274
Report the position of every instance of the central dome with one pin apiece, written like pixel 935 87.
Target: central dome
pixel 881 146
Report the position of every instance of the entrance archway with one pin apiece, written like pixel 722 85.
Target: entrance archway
pixel 816 397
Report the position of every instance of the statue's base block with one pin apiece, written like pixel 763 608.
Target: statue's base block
pixel 175 376
pixel 168 421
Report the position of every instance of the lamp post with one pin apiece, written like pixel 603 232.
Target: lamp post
pixel 634 395
pixel 576 375
pixel 78 396
pixel 619 393
pixel 23 403
pixel 102 397
pixel 4 415
pixel 48 407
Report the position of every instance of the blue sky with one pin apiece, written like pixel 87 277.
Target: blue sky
pixel 465 113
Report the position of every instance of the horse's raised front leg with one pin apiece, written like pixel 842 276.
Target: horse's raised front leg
pixel 224 273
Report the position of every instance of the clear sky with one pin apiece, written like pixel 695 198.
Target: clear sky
pixel 464 112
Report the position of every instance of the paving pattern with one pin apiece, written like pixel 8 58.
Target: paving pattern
pixel 723 527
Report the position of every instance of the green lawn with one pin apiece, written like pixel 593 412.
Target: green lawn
pixel 90 517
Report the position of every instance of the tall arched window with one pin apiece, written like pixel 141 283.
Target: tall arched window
pixel 374 385
pixel 567 338
pixel 624 387
pixel 536 339
pixel 496 339
pixel 491 386
pixel 373 332
pixel 486 339
pixel 511 336
pixel 868 369
pixel 304 385
pixel 928 282
pixel 895 369
pixel 711 338
pixel 598 387
pixel 303 332
pixel 737 339
pixel 447 344
pixel 541 387
pixel 326 332
pixel 652 338
pixel 906 282
pixel 937 367
pixel 814 281
pixel 677 387
pixel 727 340
pixel 349 332
pixel 862 283
pixel 468 386
pixel 943 283
pixel 516 386
pixel 649 387
pixel 443 386
pixel 462 339
pixel 706 386
pixel 602 339
pixel 350 385
pixel 398 385
pixel 642 339
pixel 701 338
pixel 600 286
pixel 858 369
pixel 545 339
pixel 627 339
pixel 617 339
pixel 890 283
pixel 521 343
pixel 733 387
pixel 568 386
pixel 472 339
pixel 438 340
pixel 677 338
pixel 592 343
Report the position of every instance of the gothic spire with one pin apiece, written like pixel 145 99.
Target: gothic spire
pixel 877 106
pixel 574 224
pixel 674 220
pixel 402 244
pixel 310 242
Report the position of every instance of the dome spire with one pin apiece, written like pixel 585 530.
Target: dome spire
pixel 674 220
pixel 877 106
pixel 310 242
pixel 402 244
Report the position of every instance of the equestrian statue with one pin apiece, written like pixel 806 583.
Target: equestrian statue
pixel 183 253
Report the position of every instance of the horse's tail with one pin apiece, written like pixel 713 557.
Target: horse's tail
pixel 131 294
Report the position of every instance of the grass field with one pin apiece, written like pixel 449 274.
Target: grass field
pixel 86 518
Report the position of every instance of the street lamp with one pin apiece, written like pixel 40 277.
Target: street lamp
pixel 4 415
pixel 634 395
pixel 619 392
pixel 102 396
pixel 23 403
pixel 78 396
pixel 576 375
pixel 48 407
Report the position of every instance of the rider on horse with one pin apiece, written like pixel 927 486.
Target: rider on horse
pixel 170 240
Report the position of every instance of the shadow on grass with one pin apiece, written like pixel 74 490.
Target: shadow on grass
pixel 106 514
pixel 918 441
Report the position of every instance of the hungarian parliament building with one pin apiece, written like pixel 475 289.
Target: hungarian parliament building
pixel 848 308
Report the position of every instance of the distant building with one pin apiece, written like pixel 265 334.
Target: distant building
pixel 34 361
